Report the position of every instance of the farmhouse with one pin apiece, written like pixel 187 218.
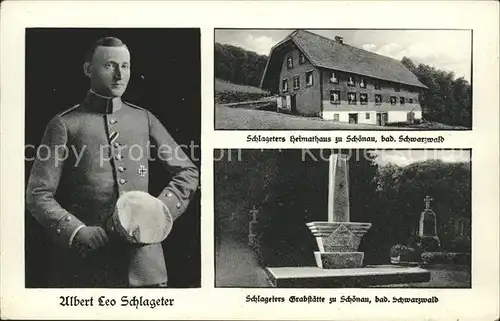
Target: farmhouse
pixel 317 76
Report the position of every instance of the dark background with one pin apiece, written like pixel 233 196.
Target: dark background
pixel 165 79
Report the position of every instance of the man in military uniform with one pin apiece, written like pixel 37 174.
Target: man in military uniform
pixel 89 156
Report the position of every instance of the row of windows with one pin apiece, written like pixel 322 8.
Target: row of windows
pixel 336 116
pixel 363 98
pixel 352 81
pixel 333 79
pixel 296 82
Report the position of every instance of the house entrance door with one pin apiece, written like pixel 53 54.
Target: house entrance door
pixel 353 118
pixel 410 117
pixel 293 104
pixel 382 119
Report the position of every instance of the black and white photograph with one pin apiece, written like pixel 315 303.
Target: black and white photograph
pixel 264 160
pixel 112 158
pixel 355 218
pixel 356 79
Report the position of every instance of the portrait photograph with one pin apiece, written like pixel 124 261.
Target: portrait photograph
pixel 112 158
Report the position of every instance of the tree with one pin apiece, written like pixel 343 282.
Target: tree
pixel 238 65
pixel 447 100
pixel 401 191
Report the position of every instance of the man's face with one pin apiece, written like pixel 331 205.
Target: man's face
pixel 109 70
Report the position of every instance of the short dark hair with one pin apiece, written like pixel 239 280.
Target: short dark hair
pixel 104 42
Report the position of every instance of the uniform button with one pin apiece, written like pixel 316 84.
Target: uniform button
pixel 122 181
pixel 121 168
pixel 68 218
pixel 112 121
pixel 116 145
pixel 178 205
pixel 169 194
pixel 58 231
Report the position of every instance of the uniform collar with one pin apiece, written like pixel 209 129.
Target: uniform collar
pixel 102 104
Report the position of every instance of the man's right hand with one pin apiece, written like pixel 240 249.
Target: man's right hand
pixel 89 239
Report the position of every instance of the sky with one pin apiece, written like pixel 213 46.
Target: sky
pixel 409 156
pixel 448 50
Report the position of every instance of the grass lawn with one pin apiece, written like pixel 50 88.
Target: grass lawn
pixel 226 92
pixel 238 118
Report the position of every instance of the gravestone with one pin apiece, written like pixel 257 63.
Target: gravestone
pixel 252 228
pixel 427 229
pixel 338 238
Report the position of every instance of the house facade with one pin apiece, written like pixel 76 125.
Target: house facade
pixel 321 77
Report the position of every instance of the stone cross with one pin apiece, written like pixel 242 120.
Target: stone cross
pixel 254 213
pixel 427 201
pixel 338 189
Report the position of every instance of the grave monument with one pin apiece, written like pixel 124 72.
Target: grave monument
pixel 338 239
pixel 427 229
pixel 339 264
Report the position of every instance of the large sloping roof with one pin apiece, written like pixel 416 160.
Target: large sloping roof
pixel 323 52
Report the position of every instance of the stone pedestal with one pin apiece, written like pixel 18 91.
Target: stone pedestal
pixel 338 243
pixel 313 277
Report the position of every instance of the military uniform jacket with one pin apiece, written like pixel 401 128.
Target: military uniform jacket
pixel 90 155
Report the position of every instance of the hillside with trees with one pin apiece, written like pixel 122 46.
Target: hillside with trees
pixel 237 65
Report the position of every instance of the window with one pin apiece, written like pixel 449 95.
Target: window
pixel 335 97
pixel 402 100
pixel 410 101
pixel 289 62
pixel 351 82
pixel 363 99
pixel 309 78
pixel 393 100
pixel 397 88
pixel 333 78
pixel 302 58
pixel 296 82
pixel 378 99
pixel 351 98
pixel 336 117
pixel 362 83
pixel 367 115
pixel 376 84
pixel 284 85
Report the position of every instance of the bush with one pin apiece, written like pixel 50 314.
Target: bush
pixel 461 244
pixel 402 253
pixel 445 258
